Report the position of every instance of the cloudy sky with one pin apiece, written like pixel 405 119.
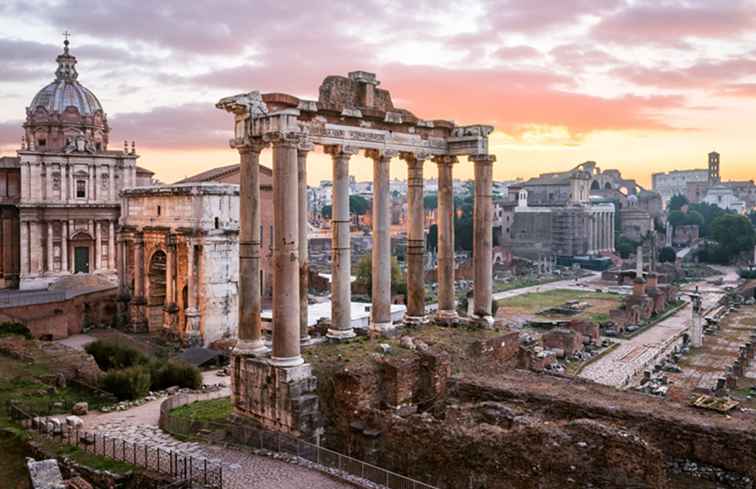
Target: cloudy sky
pixel 637 85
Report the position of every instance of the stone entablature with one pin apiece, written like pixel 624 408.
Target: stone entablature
pixel 179 267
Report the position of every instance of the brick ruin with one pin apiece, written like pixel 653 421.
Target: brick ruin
pixel 500 427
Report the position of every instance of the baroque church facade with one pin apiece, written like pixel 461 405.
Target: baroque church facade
pixel 59 197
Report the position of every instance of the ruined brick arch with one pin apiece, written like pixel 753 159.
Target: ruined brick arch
pixel 156 277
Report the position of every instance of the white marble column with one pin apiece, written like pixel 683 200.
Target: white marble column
pixel 112 196
pixel 341 266
pixel 286 351
pixel 64 246
pixel 415 239
pixel 447 309
pixel 381 252
pixel 250 324
pixel 191 312
pixel 35 247
pixel 23 242
pixel 98 245
pixel 304 262
pixel 483 237
pixel 50 247
pixel 111 245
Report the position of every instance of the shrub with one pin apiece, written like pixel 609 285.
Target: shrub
pixel 174 372
pixel 127 383
pixel 13 328
pixel 667 255
pixel 110 355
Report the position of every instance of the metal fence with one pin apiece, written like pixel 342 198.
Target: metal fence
pixel 185 470
pixel 246 437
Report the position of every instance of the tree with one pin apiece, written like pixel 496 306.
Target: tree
pixel 676 218
pixel 358 205
pixel 432 241
pixel 677 202
pixel 365 275
pixel 430 202
pixel 752 217
pixel 695 218
pixel 734 234
pixel 667 255
pixel 625 247
pixel 709 212
pixel 326 211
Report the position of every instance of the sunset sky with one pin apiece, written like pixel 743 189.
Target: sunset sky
pixel 641 86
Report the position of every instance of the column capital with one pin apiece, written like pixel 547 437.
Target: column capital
pixel 445 159
pixel 412 157
pixel 249 145
pixel 377 154
pixel 305 146
pixel 284 138
pixel 340 150
pixel 483 159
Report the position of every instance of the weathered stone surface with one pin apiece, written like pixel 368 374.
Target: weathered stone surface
pixel 80 409
pixel 45 474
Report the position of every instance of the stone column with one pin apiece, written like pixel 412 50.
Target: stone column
pixel 341 266
pixel 50 247
pixel 381 252
pixel 111 185
pixel 249 302
pixel 139 267
pixel 35 182
pixel 23 244
pixel 286 327
pixel 415 240
pixel 191 312
pixel 98 245
pixel 601 228
pixel 605 231
pixel 64 246
pixel 447 309
pixel 170 252
pixel 304 261
pixel 64 182
pixel 639 261
pixel 111 246
pixel 483 237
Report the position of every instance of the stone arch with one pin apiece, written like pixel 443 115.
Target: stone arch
pixel 608 186
pixel 81 251
pixel 595 185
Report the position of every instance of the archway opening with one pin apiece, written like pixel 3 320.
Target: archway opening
pixel 157 280
pixel 595 185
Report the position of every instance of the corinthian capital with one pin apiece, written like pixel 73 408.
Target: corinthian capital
pixel 381 154
pixel 340 150
pixel 445 159
pixel 483 159
pixel 249 145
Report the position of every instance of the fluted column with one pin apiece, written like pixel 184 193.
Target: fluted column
pixel 613 236
pixel 286 327
pixel 98 245
pixel 50 246
pixel 381 252
pixel 249 302
pixel 447 309
pixel 483 237
pixel 111 246
pixel 415 239
pixel 304 261
pixel 341 266
pixel 64 246
pixel 139 267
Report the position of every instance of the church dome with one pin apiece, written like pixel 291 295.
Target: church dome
pixel 66 91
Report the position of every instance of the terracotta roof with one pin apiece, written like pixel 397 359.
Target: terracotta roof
pixel 218 172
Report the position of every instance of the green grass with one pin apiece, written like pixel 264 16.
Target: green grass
pixel 13 462
pixel 83 457
pixel 536 301
pixel 214 410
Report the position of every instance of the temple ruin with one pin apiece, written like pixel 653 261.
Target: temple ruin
pixel 351 115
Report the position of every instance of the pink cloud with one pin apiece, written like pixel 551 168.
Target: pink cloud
pixel 516 53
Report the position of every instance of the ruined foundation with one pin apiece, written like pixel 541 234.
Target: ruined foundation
pixel 276 398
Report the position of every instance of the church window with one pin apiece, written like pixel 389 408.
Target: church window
pixel 81 189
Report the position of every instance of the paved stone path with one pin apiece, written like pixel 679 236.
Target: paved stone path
pixel 241 470
pixel 618 367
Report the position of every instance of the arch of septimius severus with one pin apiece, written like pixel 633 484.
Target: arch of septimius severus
pixel 351 114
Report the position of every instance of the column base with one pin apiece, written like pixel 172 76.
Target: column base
pixel 415 320
pixel 295 361
pixel 446 318
pixel 340 334
pixel 383 328
pixel 483 321
pixel 252 348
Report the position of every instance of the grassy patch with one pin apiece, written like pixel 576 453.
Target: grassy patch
pixel 214 410
pixel 13 463
pixel 83 457
pixel 536 301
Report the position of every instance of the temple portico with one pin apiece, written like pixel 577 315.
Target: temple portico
pixel 351 115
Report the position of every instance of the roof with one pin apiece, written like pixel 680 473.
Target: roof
pixel 144 171
pixel 216 173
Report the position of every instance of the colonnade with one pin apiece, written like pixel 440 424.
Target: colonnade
pixel 601 234
pixel 290 242
pixel 39 239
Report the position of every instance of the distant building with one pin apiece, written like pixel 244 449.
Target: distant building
pixel 724 197
pixel 676 182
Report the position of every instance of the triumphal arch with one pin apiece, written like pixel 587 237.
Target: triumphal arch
pixel 351 115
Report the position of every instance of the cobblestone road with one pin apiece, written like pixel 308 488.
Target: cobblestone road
pixel 241 470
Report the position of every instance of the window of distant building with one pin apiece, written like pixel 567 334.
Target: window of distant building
pixel 158 211
pixel 42 142
pixel 81 189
